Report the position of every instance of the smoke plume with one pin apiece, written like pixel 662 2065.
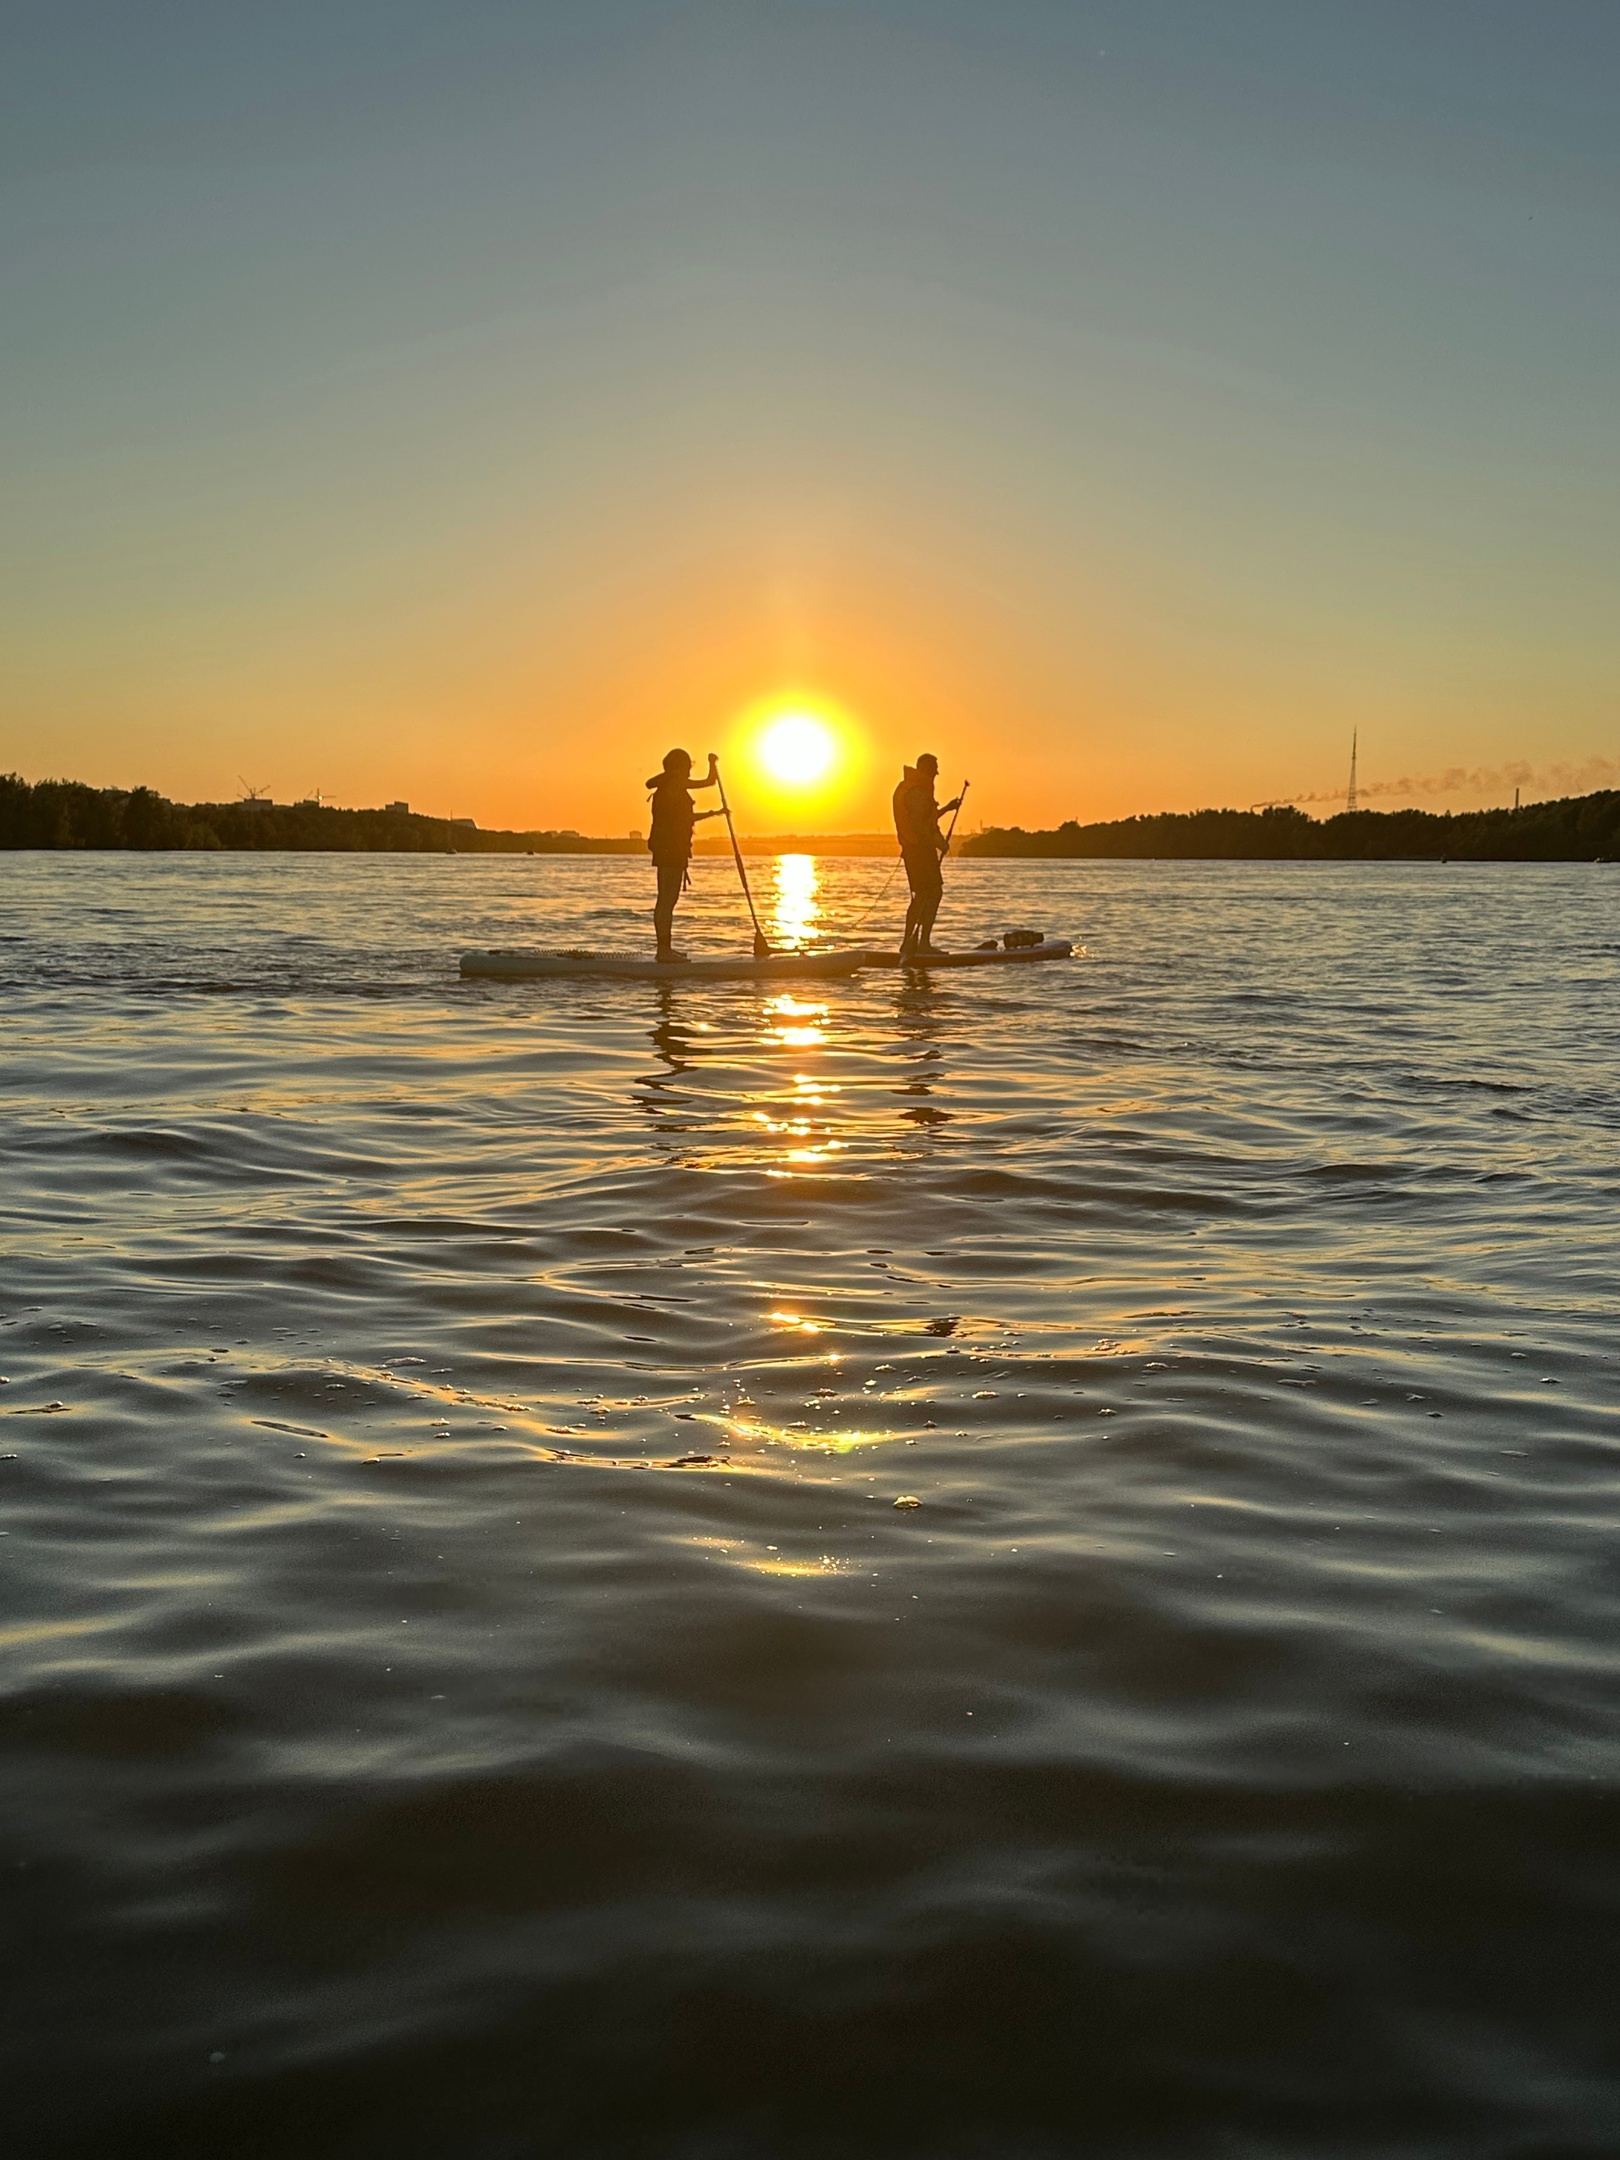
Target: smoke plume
pixel 1546 780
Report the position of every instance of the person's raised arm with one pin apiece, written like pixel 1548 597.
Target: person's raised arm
pixel 710 779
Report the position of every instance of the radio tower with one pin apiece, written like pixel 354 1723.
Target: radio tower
pixel 1350 791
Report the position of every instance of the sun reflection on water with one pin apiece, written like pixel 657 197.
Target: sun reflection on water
pixel 797 1026
pixel 754 1430
pixel 799 1115
pixel 797 908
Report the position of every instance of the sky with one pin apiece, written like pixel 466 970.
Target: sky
pixel 464 402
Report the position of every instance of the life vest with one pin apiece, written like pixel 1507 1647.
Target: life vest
pixel 670 839
pixel 916 817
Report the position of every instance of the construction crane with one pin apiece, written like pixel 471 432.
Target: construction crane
pixel 1350 793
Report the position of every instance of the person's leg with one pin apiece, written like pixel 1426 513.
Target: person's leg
pixel 929 893
pixel 670 876
pixel 917 879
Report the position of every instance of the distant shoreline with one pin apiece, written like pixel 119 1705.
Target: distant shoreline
pixel 1574 828
pixel 67 815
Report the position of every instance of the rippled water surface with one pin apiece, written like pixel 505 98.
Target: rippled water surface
pixel 476 1682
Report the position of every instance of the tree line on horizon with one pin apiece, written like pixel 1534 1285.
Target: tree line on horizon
pixel 1575 828
pixel 69 814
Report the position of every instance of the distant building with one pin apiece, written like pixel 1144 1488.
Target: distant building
pixel 258 802
pixel 400 809
pixel 468 824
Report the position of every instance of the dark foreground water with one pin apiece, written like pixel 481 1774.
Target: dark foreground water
pixel 474 1683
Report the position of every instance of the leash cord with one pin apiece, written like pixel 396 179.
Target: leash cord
pixel 861 921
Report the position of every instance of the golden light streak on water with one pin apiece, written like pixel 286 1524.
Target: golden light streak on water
pixel 797 906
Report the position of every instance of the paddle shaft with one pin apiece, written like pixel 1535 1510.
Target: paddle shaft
pixel 761 947
pixel 955 814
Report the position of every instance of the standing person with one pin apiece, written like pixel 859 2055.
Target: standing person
pixel 916 823
pixel 670 841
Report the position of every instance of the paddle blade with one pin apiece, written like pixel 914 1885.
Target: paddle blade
pixel 762 946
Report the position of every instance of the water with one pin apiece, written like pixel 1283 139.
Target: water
pixel 471 1687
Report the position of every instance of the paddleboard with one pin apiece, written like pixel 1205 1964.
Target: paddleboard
pixel 523 965
pixel 1052 948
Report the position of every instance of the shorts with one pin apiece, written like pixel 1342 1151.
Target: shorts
pixel 923 872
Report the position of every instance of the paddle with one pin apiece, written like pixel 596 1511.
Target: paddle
pixel 762 949
pixel 955 814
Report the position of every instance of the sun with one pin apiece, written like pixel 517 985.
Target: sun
pixel 796 749
pixel 804 751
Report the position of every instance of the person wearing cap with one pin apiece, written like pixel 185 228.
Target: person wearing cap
pixel 922 844
pixel 669 842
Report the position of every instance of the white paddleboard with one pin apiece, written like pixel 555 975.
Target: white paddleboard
pixel 1052 948
pixel 524 965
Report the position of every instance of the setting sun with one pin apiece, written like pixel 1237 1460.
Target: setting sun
pixel 805 753
pixel 797 749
